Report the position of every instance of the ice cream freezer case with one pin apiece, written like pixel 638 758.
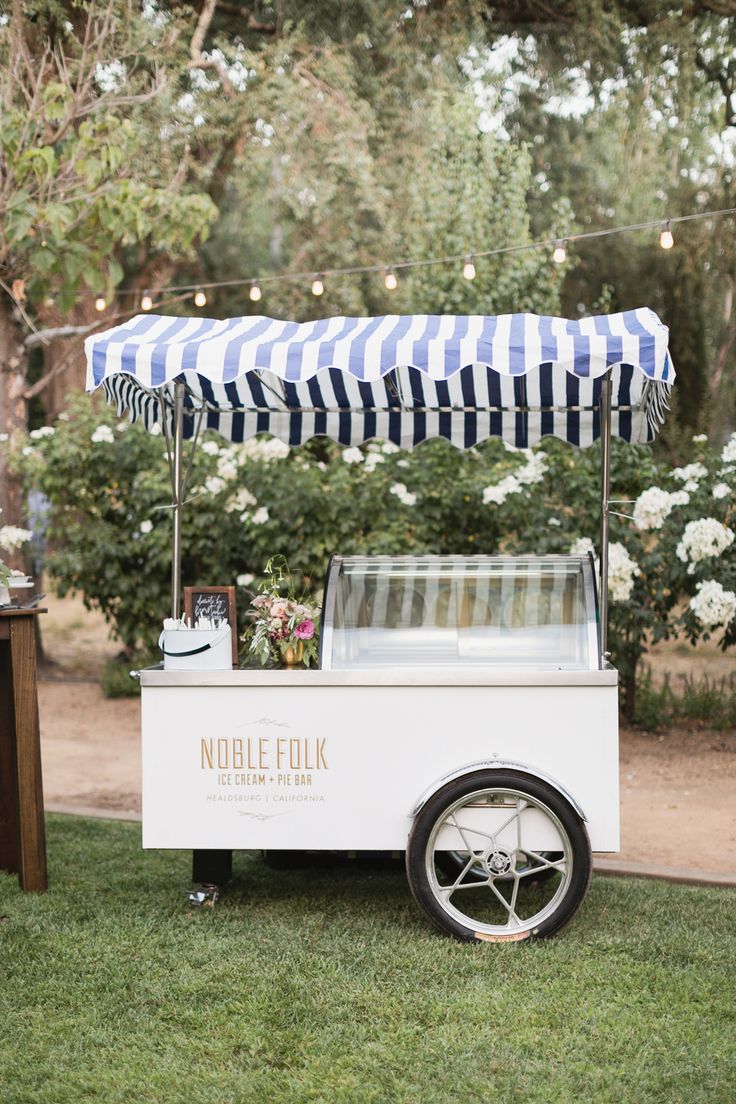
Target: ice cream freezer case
pixel 430 666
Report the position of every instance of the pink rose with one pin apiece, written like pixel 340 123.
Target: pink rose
pixel 304 631
pixel 261 600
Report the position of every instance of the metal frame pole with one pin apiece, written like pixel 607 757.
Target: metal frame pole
pixel 177 503
pixel 605 431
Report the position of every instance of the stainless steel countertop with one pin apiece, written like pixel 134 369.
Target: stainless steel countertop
pixel 408 676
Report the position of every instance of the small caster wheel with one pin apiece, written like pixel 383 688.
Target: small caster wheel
pixel 205 896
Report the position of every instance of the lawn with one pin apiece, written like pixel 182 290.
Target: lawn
pixel 326 984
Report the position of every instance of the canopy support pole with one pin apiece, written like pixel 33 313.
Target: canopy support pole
pixel 605 430
pixel 177 503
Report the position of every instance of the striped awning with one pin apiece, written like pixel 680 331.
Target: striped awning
pixel 400 378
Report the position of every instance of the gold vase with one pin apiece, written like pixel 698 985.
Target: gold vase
pixel 294 654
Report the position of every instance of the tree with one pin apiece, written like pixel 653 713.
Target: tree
pixel 80 176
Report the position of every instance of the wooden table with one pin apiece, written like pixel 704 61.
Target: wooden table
pixel 22 830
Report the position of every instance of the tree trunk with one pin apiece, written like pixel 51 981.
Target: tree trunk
pixel 63 360
pixel 13 415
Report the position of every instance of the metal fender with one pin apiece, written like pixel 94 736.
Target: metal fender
pixel 496 764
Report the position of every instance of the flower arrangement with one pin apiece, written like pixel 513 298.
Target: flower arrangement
pixel 284 628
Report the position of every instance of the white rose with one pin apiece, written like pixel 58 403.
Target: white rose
pixel 353 456
pixel 260 516
pixel 265 450
pixel 245 580
pixel 210 448
pixel 582 546
pixel 12 537
pixel 103 435
pixel 728 456
pixel 499 492
pixel 41 432
pixel 156 430
pixel 703 539
pixel 713 605
pixel 690 471
pixel 721 490
pixel 700 437
pixel 146 526
pixel 651 508
pixel 621 573
pixel 214 484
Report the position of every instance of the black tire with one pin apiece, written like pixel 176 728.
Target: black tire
pixel 462 908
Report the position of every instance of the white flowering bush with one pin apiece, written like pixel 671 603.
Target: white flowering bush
pixel 111 539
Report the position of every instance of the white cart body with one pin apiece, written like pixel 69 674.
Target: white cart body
pixel 340 760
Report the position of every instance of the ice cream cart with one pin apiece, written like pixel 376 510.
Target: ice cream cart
pixel 464 710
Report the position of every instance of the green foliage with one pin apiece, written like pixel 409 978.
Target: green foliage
pixel 116 679
pixel 85 174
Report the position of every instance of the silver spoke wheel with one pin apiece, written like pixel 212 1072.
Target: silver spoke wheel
pixel 519 857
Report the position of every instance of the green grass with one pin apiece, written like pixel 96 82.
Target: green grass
pixel 326 984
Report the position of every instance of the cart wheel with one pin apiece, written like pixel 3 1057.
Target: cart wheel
pixel 503 824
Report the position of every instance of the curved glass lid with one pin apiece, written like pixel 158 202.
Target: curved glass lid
pixel 534 612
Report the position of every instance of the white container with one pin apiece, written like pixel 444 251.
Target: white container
pixel 197 649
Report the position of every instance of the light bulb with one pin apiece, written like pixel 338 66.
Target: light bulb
pixel 391 280
pixel 469 269
pixel 255 293
pixel 560 253
pixel 665 238
pixel 317 286
pixel 100 303
pixel 200 299
pixel 146 301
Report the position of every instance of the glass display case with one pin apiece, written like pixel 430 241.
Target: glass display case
pixel 529 612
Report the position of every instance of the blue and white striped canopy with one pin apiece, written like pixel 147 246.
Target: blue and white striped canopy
pixel 404 378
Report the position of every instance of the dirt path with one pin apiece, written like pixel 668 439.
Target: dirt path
pixel 678 788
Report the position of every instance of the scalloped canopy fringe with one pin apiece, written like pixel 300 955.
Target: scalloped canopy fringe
pixel 401 378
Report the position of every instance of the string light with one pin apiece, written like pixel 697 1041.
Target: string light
pixel 146 301
pixel 255 292
pixel 468 268
pixel 467 260
pixel 100 303
pixel 390 279
pixel 665 238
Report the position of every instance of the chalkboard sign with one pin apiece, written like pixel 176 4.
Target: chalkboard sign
pixel 215 603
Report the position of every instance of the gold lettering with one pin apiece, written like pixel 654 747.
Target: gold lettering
pixel 238 753
pixel 205 745
pixel 251 764
pixel 321 754
pixel 262 753
pixel 295 765
pixel 222 753
pixel 307 764
pixel 280 751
